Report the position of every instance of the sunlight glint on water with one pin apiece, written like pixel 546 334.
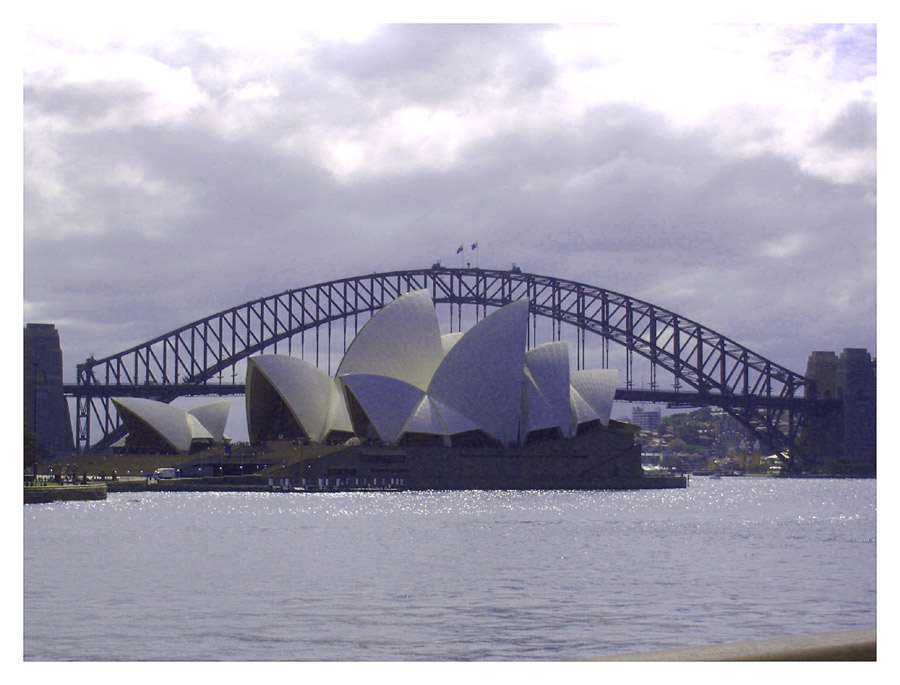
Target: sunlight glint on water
pixel 446 575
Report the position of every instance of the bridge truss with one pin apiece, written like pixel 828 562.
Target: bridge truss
pixel 705 368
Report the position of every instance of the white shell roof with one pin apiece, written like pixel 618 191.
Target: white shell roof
pixel 213 416
pixel 452 420
pixel 197 428
pixel 548 366
pixel 481 376
pixel 581 410
pixel 425 419
pixel 172 424
pixel 408 378
pixel 338 415
pixel 431 417
pixel 305 389
pixel 598 388
pixel 538 413
pixel 388 402
pixel 402 341
pixel 448 340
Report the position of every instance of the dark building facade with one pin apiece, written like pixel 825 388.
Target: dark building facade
pixel 849 378
pixel 46 409
pixel 598 458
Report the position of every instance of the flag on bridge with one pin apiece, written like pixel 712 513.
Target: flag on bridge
pixel 475 245
pixel 459 249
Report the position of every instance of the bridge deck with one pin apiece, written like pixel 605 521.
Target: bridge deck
pixel 670 398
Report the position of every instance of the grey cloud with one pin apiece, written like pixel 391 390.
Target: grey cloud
pixel 615 198
pixel 621 182
pixel 244 183
pixel 84 103
pixel 431 64
pixel 854 129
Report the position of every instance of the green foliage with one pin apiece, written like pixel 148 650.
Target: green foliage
pixel 690 433
pixel 695 428
pixel 678 445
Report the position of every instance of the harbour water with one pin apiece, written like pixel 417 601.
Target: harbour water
pixel 446 575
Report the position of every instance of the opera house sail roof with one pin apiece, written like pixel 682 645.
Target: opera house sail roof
pixel 481 376
pixel 402 341
pixel 548 391
pixel 286 396
pixel 400 377
pixel 161 426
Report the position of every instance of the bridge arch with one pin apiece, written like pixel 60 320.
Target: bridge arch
pixel 767 398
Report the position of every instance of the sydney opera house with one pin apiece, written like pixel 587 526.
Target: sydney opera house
pixel 402 381
pixel 414 408
pixel 411 408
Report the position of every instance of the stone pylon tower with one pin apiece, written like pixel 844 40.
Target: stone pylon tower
pixel 46 409
pixel 855 382
pixel 849 432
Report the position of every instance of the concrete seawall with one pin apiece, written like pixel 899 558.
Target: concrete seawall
pixel 64 493
pixel 189 485
pixel 851 645
pixel 261 485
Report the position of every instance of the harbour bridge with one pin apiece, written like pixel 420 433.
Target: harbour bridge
pixel 704 367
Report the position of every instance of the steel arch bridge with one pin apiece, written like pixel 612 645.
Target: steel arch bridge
pixel 706 368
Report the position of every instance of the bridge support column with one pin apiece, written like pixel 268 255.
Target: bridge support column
pixel 46 410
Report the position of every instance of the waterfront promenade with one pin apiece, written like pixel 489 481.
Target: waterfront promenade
pixel 848 645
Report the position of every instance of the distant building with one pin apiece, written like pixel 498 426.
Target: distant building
pixel 46 409
pixel 646 419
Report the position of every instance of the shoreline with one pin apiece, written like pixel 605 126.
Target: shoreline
pixel 212 485
pixel 43 494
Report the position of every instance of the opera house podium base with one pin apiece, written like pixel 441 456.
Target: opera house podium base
pixel 600 459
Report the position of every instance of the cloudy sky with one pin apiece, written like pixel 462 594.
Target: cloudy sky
pixel 725 172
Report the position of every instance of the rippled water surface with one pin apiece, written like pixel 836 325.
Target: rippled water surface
pixel 446 575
